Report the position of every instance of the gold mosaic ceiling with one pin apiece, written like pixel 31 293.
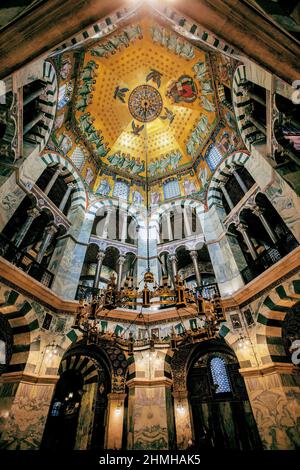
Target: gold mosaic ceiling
pixel 114 100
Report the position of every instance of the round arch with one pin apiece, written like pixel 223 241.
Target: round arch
pixel 222 173
pixel 79 196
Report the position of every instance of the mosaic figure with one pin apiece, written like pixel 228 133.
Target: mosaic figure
pixel 184 89
pixel 173 42
pixel 103 188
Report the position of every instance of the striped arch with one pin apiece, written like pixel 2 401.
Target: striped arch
pixel 242 108
pixel 220 176
pixel 79 197
pixel 23 322
pixel 270 319
pixel 47 105
pixel 87 366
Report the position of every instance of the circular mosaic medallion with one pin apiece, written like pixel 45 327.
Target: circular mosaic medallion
pixel 145 103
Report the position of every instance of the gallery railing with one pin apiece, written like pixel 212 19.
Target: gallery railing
pixel 25 262
pixel 269 257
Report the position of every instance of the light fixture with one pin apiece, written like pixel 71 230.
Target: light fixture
pixel 118 409
pixel 243 342
pixel 180 407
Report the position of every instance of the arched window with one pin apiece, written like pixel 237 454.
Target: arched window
pixel 213 158
pixel 56 408
pixel 220 375
pixel 121 190
pixel 171 189
pixel 2 352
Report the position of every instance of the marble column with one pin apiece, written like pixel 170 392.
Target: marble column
pixel 227 197
pixel 32 123
pixel 194 256
pixel 273 391
pixel 64 200
pixel 256 98
pixel 32 214
pixel 52 181
pixel 115 419
pixel 258 211
pixel 22 426
pixel 173 260
pixel 100 258
pixel 261 127
pixel 34 95
pixel 49 233
pixel 240 181
pixel 242 228
pixel 121 261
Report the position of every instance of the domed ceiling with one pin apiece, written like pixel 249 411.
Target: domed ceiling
pixel 142 93
pixel 141 102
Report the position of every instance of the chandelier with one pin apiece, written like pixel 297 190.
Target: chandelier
pixel 91 311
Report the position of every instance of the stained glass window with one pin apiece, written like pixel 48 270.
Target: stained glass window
pixel 62 97
pixel 2 352
pixel 213 158
pixel 56 408
pixel 220 375
pixel 121 190
pixel 171 189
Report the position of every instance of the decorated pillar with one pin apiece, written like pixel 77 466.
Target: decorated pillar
pixel 183 419
pixel 150 409
pixel 273 392
pixel 115 418
pixel 22 396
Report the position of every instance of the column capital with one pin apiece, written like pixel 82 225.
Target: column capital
pixel 100 255
pixel 173 257
pixel 256 209
pixel 121 259
pixel 51 229
pixel 241 227
pixel 33 212
pixel 194 254
pixel 116 396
